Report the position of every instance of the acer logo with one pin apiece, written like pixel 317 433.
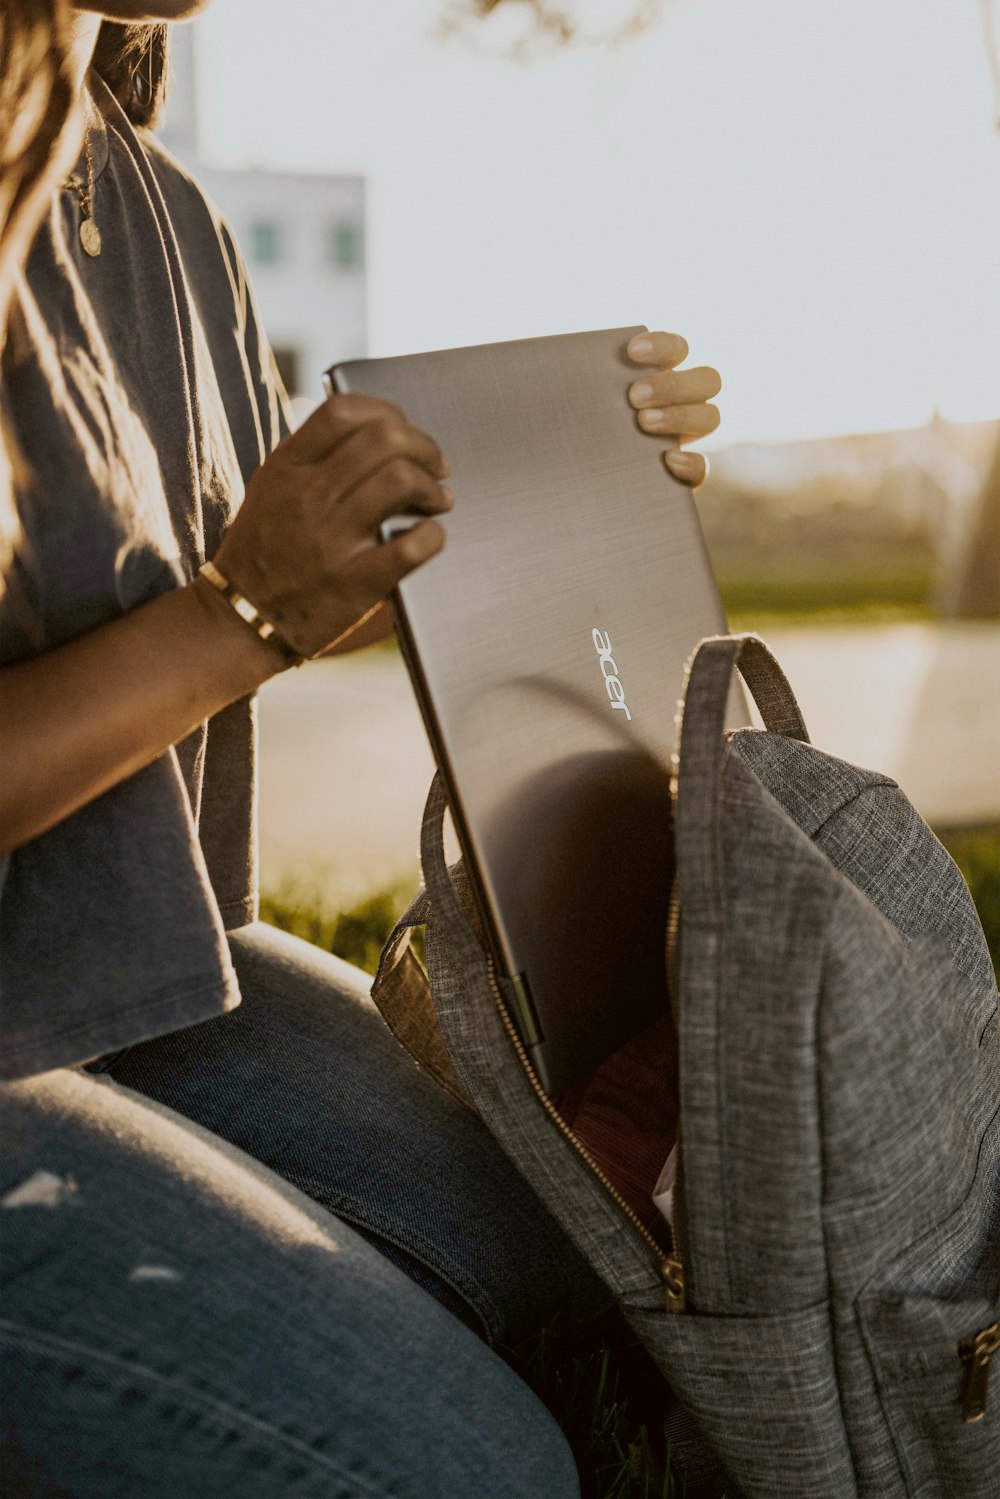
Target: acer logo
pixel 616 692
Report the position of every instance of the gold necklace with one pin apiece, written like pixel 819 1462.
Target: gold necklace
pixel 90 235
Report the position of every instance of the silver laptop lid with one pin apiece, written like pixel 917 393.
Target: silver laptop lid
pixel 547 646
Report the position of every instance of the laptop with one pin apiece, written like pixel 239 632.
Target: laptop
pixel 546 645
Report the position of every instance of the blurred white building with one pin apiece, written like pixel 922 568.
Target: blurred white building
pixel 303 235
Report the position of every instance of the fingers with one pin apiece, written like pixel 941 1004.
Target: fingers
pixel 376 572
pixel 686 422
pixel 375 444
pixel 362 421
pixel 399 487
pixel 688 468
pixel 331 422
pixel 304 544
pixel 672 402
pixel 663 349
pixel 675 387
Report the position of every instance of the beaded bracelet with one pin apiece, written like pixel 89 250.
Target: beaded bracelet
pixel 248 612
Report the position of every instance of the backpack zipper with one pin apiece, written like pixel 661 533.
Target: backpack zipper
pixel 670 1268
pixel 977 1352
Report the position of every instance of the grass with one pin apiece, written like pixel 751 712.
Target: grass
pixel 608 1398
pixel 602 1388
pixel 356 933
pixel 831 598
pixel 766 617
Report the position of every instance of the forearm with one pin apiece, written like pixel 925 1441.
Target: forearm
pixel 81 718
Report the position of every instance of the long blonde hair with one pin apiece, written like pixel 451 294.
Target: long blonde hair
pixel 36 97
pixel 36 105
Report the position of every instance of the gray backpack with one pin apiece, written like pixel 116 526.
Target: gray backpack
pixel 827 1300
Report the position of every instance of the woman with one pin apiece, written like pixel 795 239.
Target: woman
pixel 188 1310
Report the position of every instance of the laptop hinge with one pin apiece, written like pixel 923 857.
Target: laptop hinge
pixel 524 1010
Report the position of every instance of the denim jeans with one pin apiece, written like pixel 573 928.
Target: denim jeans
pixel 305 1077
pixel 181 1322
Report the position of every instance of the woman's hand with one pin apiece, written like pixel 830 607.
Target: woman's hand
pixel 674 403
pixel 304 547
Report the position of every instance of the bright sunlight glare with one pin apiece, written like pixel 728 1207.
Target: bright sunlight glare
pixel 809 192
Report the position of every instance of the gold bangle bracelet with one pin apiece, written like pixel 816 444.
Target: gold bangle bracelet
pixel 248 613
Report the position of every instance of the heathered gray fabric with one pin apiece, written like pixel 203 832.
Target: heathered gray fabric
pixel 838 1200
pixel 493 1078
pixel 142 395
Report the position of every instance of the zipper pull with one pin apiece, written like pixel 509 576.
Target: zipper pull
pixel 673 1279
pixel 977 1352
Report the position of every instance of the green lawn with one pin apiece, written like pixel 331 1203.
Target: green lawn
pixel 357 933
pixel 831 594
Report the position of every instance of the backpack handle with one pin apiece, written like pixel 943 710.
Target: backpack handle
pixel 702 746
pixel 438 880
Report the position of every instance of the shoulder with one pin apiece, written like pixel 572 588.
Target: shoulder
pixel 175 181
pixel 217 280
pixel 201 229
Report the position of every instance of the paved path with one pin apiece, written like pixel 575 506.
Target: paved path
pixel 345 765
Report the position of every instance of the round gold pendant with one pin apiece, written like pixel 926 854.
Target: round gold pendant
pixel 90 237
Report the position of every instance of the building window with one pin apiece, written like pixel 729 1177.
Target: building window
pixel 289 367
pixel 265 242
pixel 345 245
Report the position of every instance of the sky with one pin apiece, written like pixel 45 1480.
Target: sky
pixel 808 191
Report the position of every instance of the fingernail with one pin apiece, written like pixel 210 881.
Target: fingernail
pixel 640 347
pixel 677 459
pixel 641 392
pixel 651 418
